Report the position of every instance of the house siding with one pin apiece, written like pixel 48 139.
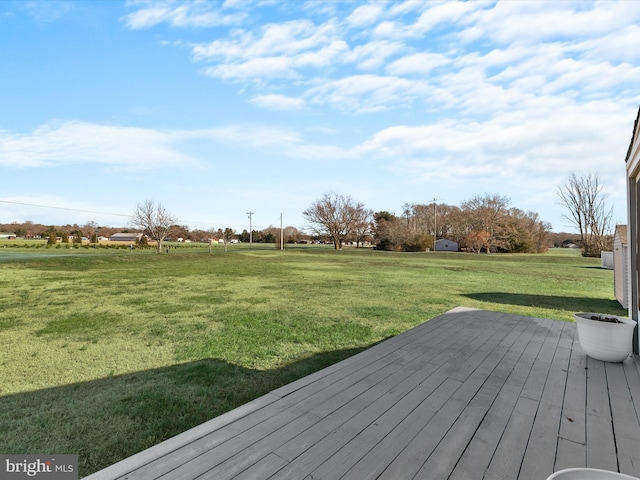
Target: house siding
pixel 633 214
pixel 444 245
pixel 124 237
pixel 621 266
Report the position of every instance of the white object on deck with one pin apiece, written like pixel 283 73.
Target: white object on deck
pixel 588 474
pixel 609 342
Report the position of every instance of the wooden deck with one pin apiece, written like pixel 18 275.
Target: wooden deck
pixel 469 394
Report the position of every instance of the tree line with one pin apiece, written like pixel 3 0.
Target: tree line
pixel 92 231
pixel 485 223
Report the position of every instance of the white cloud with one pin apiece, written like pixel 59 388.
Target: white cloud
pixel 189 14
pixel 509 145
pixel 442 12
pixel 46 12
pixel 362 93
pixel 77 142
pixel 256 68
pixel 365 15
pixel 322 58
pixel 405 7
pixel 289 38
pixel 292 37
pixel 233 3
pixel 432 14
pixel 536 22
pixel 281 140
pixel 387 29
pixel 250 135
pixel 278 51
pixel 519 49
pixel 512 54
pixel 551 70
pixel 278 102
pixel 619 45
pixel 422 63
pixel 588 77
pixel 134 149
pixel 374 55
pixel 470 93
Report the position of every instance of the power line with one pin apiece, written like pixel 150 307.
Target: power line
pixel 65 208
pixel 190 222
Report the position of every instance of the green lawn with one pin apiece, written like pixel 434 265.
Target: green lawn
pixel 107 352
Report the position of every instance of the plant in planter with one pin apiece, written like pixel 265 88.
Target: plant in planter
pixel 605 337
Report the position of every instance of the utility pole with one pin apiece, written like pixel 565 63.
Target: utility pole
pixel 250 229
pixel 281 234
pixel 435 225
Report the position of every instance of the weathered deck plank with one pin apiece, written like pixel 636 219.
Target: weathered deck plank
pixel 601 447
pixel 539 459
pixel 572 446
pixel 481 448
pixel 624 416
pixel 468 394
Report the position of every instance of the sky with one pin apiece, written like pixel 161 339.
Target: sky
pixel 219 109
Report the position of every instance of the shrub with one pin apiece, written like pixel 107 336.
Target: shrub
pixel 418 243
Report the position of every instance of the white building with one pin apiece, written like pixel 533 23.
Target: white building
pixel 125 237
pixel 444 245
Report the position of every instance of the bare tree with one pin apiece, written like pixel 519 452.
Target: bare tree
pixel 362 225
pixel 448 225
pixel 583 198
pixel 334 215
pixel 487 214
pixel 154 220
pixel 228 235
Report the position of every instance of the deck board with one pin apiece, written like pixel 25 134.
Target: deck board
pixel 482 446
pixel 468 394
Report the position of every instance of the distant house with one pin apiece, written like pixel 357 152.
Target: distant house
pixel 7 236
pixel 125 237
pixel 621 266
pixel 444 245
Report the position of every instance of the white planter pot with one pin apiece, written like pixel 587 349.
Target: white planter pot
pixel 609 342
pixel 588 474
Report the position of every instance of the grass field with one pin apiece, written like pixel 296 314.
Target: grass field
pixel 105 353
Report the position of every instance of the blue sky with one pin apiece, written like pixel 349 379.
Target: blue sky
pixel 219 108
